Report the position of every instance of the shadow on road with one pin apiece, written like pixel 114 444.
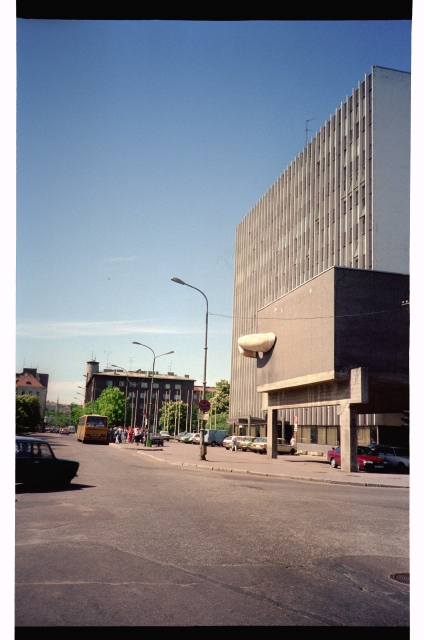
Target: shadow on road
pixel 50 488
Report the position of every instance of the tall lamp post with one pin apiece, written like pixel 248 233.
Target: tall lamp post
pixel 151 386
pixel 202 430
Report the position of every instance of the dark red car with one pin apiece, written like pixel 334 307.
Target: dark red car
pixel 366 460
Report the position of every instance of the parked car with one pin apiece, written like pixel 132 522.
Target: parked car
pixel 367 461
pixel 396 457
pixel 244 442
pixel 181 435
pixel 195 438
pixel 188 437
pixel 285 447
pixel 215 437
pixel 156 439
pixel 227 442
pixel 258 445
pixel 36 462
pixel 64 431
pixel 71 429
pixel 165 435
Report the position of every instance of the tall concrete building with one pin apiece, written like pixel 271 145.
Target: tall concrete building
pixel 344 201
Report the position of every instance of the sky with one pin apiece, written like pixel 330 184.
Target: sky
pixel 141 145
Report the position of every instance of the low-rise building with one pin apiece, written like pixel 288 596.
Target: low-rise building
pixel 136 386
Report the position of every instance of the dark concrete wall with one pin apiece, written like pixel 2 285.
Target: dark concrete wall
pixel 374 331
pixel 340 320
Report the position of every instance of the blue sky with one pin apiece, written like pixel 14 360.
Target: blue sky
pixel 140 147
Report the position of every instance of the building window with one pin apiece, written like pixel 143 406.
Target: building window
pixel 144 385
pixel 167 386
pixel 109 383
pixel 121 383
pixel 177 386
pixel 142 394
pixel 155 385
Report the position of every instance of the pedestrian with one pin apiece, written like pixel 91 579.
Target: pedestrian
pixel 293 441
pixel 137 436
pixel 110 434
pixel 125 434
pixel 234 443
pixel 118 435
pixel 130 435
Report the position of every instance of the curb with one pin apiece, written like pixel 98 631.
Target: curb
pixel 271 475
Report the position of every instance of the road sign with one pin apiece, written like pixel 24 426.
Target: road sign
pixel 203 416
pixel 204 406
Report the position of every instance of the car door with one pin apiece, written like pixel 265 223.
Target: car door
pixel 24 463
pixel 44 463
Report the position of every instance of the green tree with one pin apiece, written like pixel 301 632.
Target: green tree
pixel 76 413
pixel 90 408
pixel 111 403
pixel 219 423
pixel 28 414
pixel 220 400
pixel 173 415
pixel 60 420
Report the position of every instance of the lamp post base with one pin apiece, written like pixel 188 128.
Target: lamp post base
pixel 202 445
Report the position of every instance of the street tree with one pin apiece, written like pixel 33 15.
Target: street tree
pixel 28 413
pixel 76 413
pixel 60 420
pixel 173 416
pixel 111 403
pixel 218 421
pixel 220 400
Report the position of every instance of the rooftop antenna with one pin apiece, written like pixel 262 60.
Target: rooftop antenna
pixel 130 361
pixel 170 366
pixel 107 357
pixel 307 130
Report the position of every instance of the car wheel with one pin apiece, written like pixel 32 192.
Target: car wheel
pixel 213 444
pixel 292 452
pixel 401 467
pixel 333 463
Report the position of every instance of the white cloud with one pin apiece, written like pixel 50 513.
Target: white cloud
pixel 54 330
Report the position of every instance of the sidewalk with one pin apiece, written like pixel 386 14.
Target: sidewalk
pixel 298 467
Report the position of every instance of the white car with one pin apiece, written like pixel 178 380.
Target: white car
pixel 397 458
pixel 165 435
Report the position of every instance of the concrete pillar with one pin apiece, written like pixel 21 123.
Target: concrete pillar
pixel 248 433
pixel 348 437
pixel 272 433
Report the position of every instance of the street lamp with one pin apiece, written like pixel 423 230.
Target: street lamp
pixel 202 430
pixel 151 385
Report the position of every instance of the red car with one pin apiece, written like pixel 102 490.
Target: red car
pixel 366 460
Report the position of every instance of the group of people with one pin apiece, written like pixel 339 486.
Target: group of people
pixel 122 435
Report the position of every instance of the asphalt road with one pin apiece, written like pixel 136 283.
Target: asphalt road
pixel 133 542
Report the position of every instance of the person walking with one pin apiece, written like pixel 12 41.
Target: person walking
pixel 234 443
pixel 118 435
pixel 137 436
pixel 130 435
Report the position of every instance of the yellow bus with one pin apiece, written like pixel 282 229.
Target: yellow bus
pixel 92 428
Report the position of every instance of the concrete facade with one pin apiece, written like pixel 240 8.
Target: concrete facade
pixel 344 201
